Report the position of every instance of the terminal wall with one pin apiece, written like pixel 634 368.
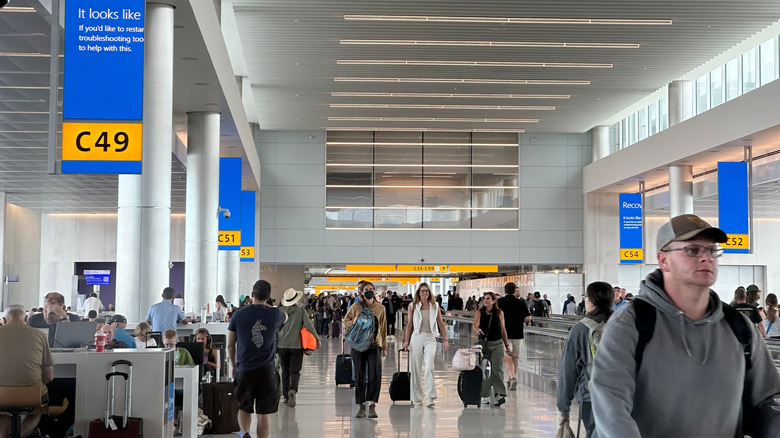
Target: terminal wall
pixel 292 210
pixel 23 255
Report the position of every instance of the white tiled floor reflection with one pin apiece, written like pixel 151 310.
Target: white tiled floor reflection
pixel 326 411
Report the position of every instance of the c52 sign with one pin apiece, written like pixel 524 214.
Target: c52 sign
pixel 737 241
pixel 102 147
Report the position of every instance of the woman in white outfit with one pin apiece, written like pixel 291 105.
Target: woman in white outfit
pixel 426 324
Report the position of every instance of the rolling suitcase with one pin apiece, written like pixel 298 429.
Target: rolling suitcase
pixel 112 425
pixel 399 385
pixel 335 329
pixel 221 406
pixel 344 368
pixel 470 387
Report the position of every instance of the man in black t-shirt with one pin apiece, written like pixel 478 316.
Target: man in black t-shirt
pixel 516 314
pixel 749 310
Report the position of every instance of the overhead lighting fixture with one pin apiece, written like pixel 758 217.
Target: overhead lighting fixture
pixel 509 20
pixel 465 81
pixel 431 119
pixel 474 63
pixel 421 106
pixel 24 87
pixel 540 44
pixel 381 129
pixel 25 55
pixel 25 112
pixel 17 9
pixel 449 95
pixel 417 144
pixel 24 132
pixel 475 166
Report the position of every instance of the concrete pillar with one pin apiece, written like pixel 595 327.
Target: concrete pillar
pixel 680 190
pixel 680 102
pixel 128 248
pixel 222 276
pixel 3 292
pixel 600 140
pixel 200 264
pixel 158 128
pixel 233 272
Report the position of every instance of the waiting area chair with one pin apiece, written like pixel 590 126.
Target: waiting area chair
pixel 23 400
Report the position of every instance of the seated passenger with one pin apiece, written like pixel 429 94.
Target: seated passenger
pixel 209 353
pixel 27 361
pixel 142 339
pixel 111 343
pixel 182 356
pixel 91 315
pixel 119 322
pixel 53 312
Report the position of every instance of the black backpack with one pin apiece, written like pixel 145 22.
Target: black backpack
pixel 645 325
pixel 539 308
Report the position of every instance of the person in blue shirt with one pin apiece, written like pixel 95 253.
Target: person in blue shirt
pixel 251 344
pixel 164 315
pixel 619 301
pixel 119 323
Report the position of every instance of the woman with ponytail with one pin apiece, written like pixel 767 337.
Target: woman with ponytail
pixel 574 371
pixel 771 321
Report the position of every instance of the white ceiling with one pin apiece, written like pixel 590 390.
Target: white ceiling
pixel 292 49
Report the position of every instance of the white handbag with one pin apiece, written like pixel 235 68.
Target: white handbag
pixel 466 359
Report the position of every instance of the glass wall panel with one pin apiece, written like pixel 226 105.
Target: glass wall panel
pixel 733 81
pixel 349 176
pixel 349 197
pixel 398 197
pixel 456 197
pixel 349 218
pixel 447 155
pixel 460 219
pixel 663 110
pixel 768 54
pixel 749 71
pixel 495 219
pixel 398 218
pixel 632 129
pixel 398 176
pixel 701 94
pixel 716 87
pixel 495 198
pixel 641 124
pixel 652 118
pixel 504 155
pixel 494 177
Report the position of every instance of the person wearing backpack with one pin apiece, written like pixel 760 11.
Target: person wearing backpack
pixel 369 344
pixel 676 361
pixel 577 360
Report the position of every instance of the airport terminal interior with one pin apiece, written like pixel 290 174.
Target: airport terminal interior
pixel 206 144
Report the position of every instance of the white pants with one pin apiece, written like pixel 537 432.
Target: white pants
pixel 422 347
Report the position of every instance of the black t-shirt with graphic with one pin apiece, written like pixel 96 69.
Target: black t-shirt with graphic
pixel 750 311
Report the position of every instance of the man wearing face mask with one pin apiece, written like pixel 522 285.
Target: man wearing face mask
pixel 368 364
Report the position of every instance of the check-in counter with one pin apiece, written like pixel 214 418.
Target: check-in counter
pixel 152 387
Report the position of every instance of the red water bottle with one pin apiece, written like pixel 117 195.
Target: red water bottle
pixel 100 342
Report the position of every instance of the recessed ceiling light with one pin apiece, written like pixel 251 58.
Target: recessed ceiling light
pixel 202 84
pixel 25 55
pixel 465 81
pixel 363 128
pixel 189 58
pixel 432 119
pixel 24 87
pixel 17 9
pixel 508 20
pixel 449 95
pixel 541 44
pixel 420 106
pixel 474 63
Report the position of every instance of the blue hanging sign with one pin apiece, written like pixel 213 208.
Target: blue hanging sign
pixel 229 204
pixel 733 216
pixel 247 226
pixel 631 234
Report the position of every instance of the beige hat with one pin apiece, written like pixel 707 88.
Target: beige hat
pixel 291 296
pixel 687 226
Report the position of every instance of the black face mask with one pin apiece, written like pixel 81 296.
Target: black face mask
pixel 368 294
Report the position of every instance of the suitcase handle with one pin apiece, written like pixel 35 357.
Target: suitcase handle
pixel 408 366
pixel 129 364
pixel 109 397
pixel 117 373
pixel 121 362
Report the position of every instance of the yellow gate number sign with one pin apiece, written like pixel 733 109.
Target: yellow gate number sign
pixel 632 254
pixel 737 241
pixel 102 141
pixel 229 238
pixel 247 252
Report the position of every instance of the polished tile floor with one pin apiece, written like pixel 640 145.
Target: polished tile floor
pixel 323 410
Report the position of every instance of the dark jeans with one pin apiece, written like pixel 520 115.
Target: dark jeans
pixel 367 365
pixel 390 324
pixel 324 329
pixel 292 361
pixel 586 411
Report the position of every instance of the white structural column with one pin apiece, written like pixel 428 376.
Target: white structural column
pixel 200 264
pixel 228 273
pixel 3 295
pixel 680 101
pixel 158 129
pixel 128 248
pixel 600 142
pixel 680 190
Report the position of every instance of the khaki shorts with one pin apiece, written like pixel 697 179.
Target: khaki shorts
pixel 515 345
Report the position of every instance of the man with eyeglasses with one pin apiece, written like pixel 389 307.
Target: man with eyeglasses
pixel 677 351
pixel 54 311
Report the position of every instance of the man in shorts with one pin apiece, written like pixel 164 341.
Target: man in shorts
pixel 251 343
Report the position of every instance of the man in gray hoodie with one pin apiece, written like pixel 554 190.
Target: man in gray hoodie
pixel 693 372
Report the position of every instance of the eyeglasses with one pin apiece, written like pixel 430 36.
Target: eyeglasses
pixel 698 250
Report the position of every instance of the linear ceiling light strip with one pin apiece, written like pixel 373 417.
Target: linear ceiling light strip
pixel 477 130
pixel 474 63
pixel 464 81
pixel 453 107
pixel 449 95
pixel 422 208
pixel 432 119
pixel 510 20
pixel 531 44
pixel 378 143
pixel 491 166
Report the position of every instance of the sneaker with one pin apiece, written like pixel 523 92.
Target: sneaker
pixel 485 401
pixel 291 398
pixel 418 403
pixel 430 403
pixel 361 412
pixel 513 384
pixel 500 400
pixel 372 411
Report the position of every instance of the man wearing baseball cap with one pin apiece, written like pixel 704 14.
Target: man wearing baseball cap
pixel 676 351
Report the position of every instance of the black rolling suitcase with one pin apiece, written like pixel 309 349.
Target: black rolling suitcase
pixel 112 425
pixel 400 386
pixel 221 406
pixel 344 368
pixel 470 387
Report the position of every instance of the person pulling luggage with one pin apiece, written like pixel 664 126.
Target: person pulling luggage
pixel 489 325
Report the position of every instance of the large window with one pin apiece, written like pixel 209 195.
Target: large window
pixel 768 61
pixel 414 180
pixel 749 81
